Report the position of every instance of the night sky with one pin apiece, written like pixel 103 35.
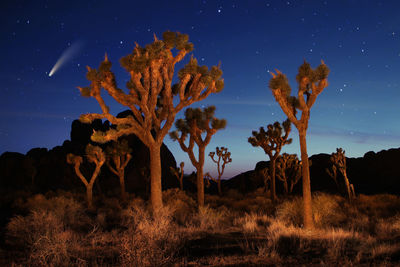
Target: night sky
pixel 358 40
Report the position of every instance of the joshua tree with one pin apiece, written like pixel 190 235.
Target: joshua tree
pixel 272 142
pixel 119 154
pixel 226 158
pixel 95 155
pixel 288 169
pixel 196 123
pixel 311 84
pixel 150 95
pixel 338 161
pixel 179 174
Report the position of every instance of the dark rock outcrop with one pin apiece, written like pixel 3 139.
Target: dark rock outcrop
pixel 42 170
pixel 372 174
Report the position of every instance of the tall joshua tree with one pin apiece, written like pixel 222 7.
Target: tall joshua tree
pixel 150 95
pixel 288 171
pixel 119 155
pixel 196 123
pixel 311 83
pixel 272 142
pixel 179 174
pixel 338 161
pixel 94 154
pixel 222 154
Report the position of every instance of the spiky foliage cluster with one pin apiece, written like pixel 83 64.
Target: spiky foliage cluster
pixel 151 91
pixel 200 125
pixel 272 142
pixel 94 154
pixel 222 154
pixel 118 157
pixel 150 95
pixel 339 168
pixel 288 170
pixel 311 83
pixel 178 172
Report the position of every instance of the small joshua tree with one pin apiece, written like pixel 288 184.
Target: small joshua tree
pixel 150 95
pixel 225 156
pixel 338 161
pixel 119 155
pixel 178 172
pixel 272 142
pixel 288 171
pixel 94 154
pixel 311 84
pixel 196 123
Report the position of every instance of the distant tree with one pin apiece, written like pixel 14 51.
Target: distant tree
pixel 151 95
pixel 311 84
pixel 197 122
pixel 118 157
pixel 288 171
pixel 272 142
pixel 338 161
pixel 94 154
pixel 222 154
pixel 178 172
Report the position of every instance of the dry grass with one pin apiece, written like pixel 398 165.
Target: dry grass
pixel 58 231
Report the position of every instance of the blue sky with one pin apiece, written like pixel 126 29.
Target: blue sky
pixel 358 40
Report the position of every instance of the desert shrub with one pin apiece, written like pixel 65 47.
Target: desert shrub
pixel 252 222
pixel 378 206
pixel 43 237
pixel 182 206
pixel 208 218
pixel 388 228
pixel 57 232
pixel 253 204
pixel 148 240
pixel 327 211
pixel 64 207
pixel 109 214
pixel 233 194
pixel 330 245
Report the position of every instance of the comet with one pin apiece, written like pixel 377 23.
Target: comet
pixel 67 55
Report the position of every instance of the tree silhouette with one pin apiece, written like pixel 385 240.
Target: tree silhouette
pixel 94 154
pixel 196 123
pixel 151 95
pixel 118 154
pixel 179 174
pixel 338 161
pixel 222 153
pixel 272 142
pixel 288 171
pixel 311 84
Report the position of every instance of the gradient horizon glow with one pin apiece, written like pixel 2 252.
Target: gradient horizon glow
pixel 358 40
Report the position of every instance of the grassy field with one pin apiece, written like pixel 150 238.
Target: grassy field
pixel 234 230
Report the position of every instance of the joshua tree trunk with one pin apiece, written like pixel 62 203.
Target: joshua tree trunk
pixel 121 175
pixel 273 190
pixel 155 177
pixel 89 195
pixel 200 177
pixel 219 187
pixel 307 204
pixel 347 186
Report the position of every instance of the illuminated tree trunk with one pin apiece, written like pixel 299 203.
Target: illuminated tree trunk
pixel 155 178
pixel 200 177
pixel 89 196
pixel 307 204
pixel 121 174
pixel 273 190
